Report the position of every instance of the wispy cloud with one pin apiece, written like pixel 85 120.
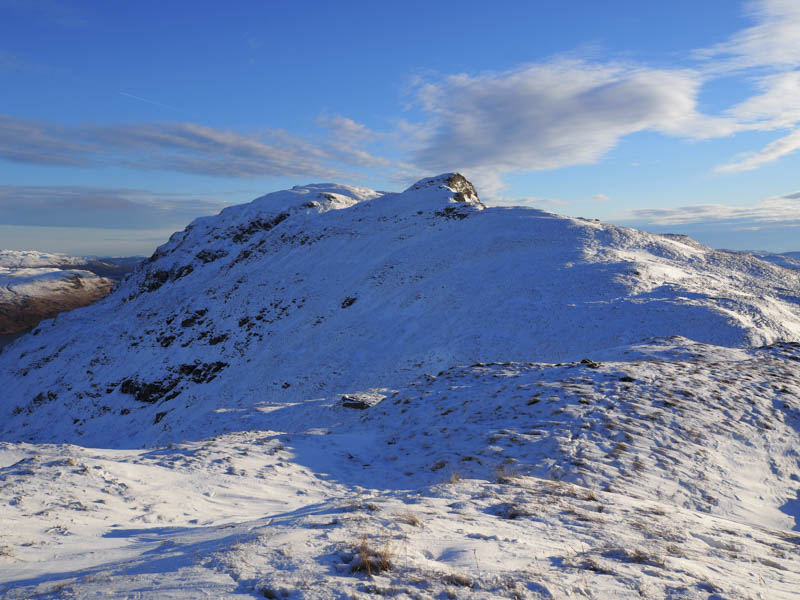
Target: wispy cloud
pixel 573 111
pixel 782 210
pixel 37 142
pixel 778 104
pixel 772 42
pixel 548 115
pixel 345 141
pixel 556 114
pixel 770 153
pixel 108 208
pixel 771 46
pixel 181 146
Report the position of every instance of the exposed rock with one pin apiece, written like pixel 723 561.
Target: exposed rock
pixel 361 401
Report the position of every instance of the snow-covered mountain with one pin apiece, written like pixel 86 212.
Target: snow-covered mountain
pixel 28 295
pixel 39 285
pixel 326 289
pixel 30 259
pixel 464 401
pixel 111 267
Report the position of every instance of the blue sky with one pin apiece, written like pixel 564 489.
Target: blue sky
pixel 120 122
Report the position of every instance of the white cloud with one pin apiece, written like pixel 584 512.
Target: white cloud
pixel 777 106
pixel 571 112
pixel 345 129
pixel 545 116
pixel 770 153
pixel 541 116
pixel 344 138
pixel 773 42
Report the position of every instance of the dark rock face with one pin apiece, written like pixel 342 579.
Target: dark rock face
pixel 207 256
pixel 167 388
pixel 465 191
pixel 244 232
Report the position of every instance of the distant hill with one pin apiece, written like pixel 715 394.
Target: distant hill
pixel 105 266
pixel 38 285
pixel 790 260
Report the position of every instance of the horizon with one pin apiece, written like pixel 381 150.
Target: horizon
pixel 124 123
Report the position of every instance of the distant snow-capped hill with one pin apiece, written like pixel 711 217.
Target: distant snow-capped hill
pixel 39 285
pixel 29 259
pixel 790 260
pixel 326 288
pixel 28 295
pixel 112 267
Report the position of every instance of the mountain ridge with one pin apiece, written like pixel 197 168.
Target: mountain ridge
pixel 327 289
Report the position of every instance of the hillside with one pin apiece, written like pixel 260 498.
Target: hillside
pixel 38 285
pixel 333 392
pixel 326 289
pixel 29 295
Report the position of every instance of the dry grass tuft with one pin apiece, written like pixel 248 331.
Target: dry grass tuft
pixel 369 558
pixel 618 449
pixel 409 518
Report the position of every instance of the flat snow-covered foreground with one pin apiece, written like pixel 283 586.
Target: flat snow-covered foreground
pixel 666 470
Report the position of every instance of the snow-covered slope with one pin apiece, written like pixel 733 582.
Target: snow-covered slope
pixel 474 402
pixel 326 289
pixel 29 259
pixel 669 472
pixel 28 295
